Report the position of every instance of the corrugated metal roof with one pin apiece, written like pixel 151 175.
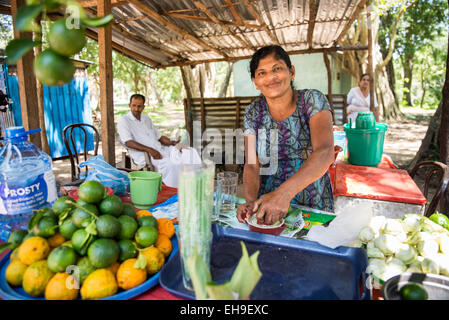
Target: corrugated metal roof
pixel 175 32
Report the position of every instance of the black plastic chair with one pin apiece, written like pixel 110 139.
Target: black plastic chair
pixel 70 143
pixel 435 169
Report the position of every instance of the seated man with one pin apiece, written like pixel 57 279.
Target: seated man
pixel 138 133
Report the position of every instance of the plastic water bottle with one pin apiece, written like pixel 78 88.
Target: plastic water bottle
pixel 27 181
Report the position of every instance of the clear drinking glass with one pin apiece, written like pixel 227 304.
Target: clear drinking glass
pixel 195 200
pixel 227 190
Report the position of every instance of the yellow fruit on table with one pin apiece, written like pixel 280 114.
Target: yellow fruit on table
pixel 129 277
pixel 155 259
pixel 62 286
pixel 142 213
pixel 99 284
pixel 33 249
pixel 164 244
pixel 56 240
pixel 14 255
pixel 14 273
pixel 36 278
pixel 113 268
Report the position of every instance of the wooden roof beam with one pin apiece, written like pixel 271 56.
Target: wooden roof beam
pixel 234 11
pixel 197 18
pixel 207 12
pixel 211 7
pixel 348 25
pixel 93 3
pixel 313 10
pixel 156 16
pixel 259 19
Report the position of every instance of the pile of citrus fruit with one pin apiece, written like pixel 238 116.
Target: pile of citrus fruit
pixel 93 247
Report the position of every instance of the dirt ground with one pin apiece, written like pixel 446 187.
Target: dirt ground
pixel 402 141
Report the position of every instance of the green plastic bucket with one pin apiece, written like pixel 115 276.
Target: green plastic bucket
pixel 144 187
pixel 365 146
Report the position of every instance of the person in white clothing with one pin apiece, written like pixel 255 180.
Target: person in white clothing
pixel 359 99
pixel 137 132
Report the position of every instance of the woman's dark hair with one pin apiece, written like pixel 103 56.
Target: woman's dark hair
pixel 137 96
pixel 263 52
pixel 365 74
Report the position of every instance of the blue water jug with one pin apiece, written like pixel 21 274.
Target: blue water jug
pixel 27 181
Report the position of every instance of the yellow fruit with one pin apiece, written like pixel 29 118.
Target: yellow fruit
pixel 14 255
pixel 163 243
pixel 155 259
pixel 62 286
pixel 33 249
pixel 142 213
pixel 129 277
pixel 36 278
pixel 113 268
pixel 99 284
pixel 56 240
pixel 14 273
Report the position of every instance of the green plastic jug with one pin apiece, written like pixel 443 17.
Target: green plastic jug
pixel 144 187
pixel 365 146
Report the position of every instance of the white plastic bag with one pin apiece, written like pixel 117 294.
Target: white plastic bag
pixel 109 176
pixel 345 227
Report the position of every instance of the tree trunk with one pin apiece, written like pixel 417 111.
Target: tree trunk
pixel 224 86
pixel 154 89
pixel 430 138
pixel 444 133
pixel 408 75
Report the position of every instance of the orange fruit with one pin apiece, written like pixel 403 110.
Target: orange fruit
pixel 36 277
pixel 165 226
pixel 56 240
pixel 33 249
pixel 142 213
pixel 62 286
pixel 164 244
pixel 113 268
pixel 129 277
pixel 155 259
pixel 99 284
pixel 14 273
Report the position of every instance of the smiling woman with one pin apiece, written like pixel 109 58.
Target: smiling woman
pixel 288 142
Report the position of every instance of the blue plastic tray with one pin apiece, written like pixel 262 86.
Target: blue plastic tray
pixel 292 269
pixel 17 293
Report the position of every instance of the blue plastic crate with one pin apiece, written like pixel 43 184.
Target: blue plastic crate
pixel 292 269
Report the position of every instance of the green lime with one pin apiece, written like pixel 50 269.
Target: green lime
pixel 52 69
pixel 81 241
pixel 16 238
pixel 46 227
pixel 128 250
pixel 81 218
pixel 81 202
pixel 128 227
pixel 60 204
pixel 103 252
pixel 129 210
pixel 48 212
pixel 413 291
pixel 112 205
pixel 107 226
pixel 147 221
pixel 84 268
pixel 91 191
pixel 60 258
pixel 146 236
pixel 67 228
pixel 66 39
pixel 440 219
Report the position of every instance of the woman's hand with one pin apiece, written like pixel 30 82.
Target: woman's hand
pixel 272 206
pixel 245 211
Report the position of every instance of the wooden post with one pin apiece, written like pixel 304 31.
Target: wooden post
pixel 329 81
pixel 106 85
pixel 187 103
pixel 370 61
pixel 27 81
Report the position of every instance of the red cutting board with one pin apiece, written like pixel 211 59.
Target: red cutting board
pixel 376 183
